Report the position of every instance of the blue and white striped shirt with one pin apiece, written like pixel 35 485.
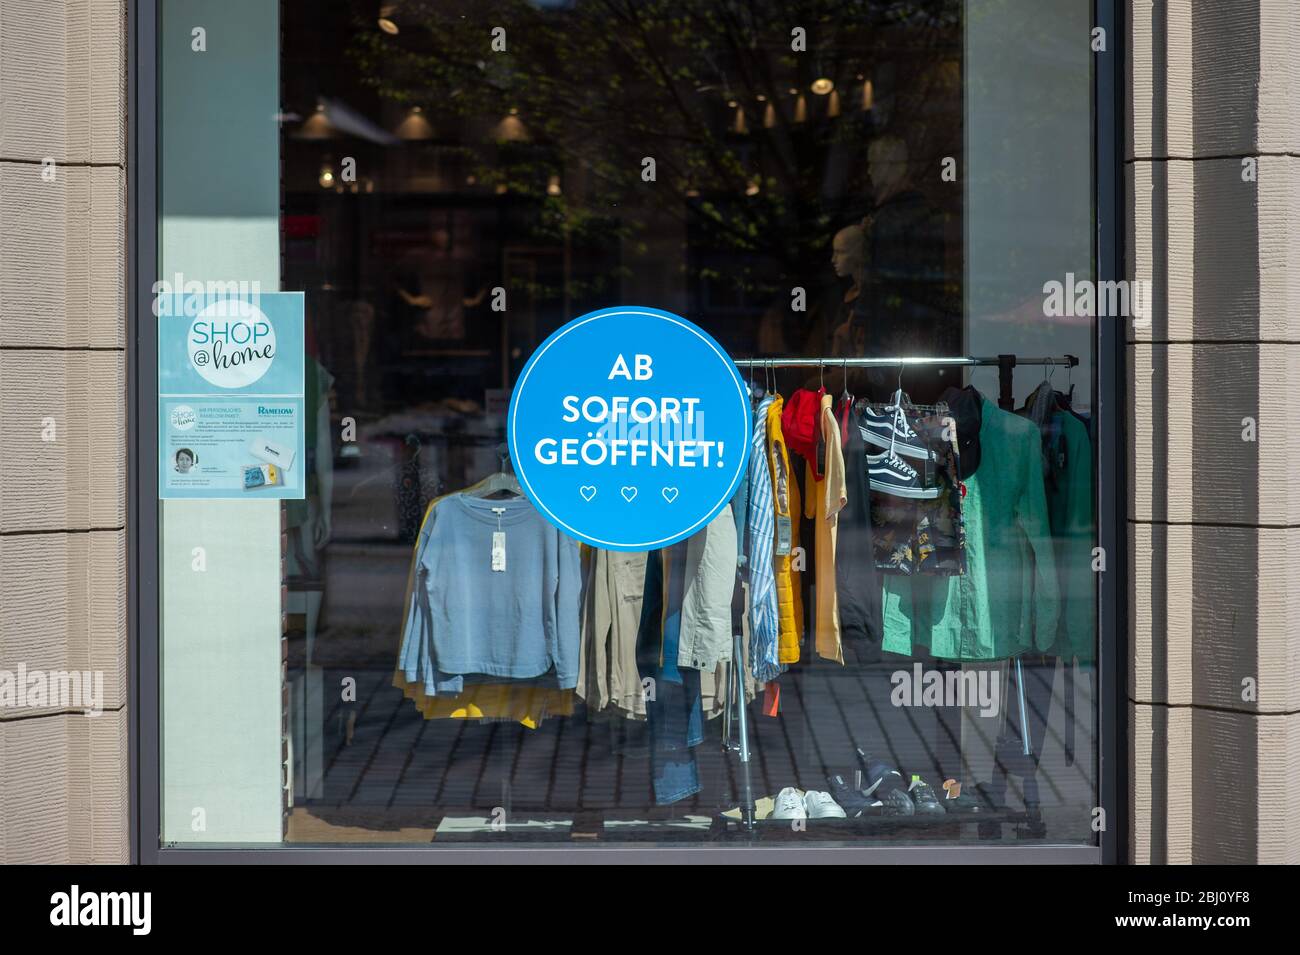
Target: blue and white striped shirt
pixel 763 623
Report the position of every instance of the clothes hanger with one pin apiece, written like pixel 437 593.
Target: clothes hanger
pixel 1046 384
pixel 1066 401
pixel 502 482
pixel 898 393
pixel 1034 395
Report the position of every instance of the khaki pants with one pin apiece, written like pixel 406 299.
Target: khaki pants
pixel 608 678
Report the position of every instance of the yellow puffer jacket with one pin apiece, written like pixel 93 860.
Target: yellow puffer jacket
pixel 785 495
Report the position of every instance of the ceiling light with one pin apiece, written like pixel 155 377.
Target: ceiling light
pixel 386 21
pixel 415 126
pixel 511 129
pixel 317 125
pixel 822 85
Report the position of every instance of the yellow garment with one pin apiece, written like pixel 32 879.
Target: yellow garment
pixel 825 501
pixel 785 496
pixel 528 705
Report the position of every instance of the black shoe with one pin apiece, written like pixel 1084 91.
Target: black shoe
pixel 896 802
pixel 1033 826
pixel 890 474
pixel 956 801
pixel 858 804
pixel 851 800
pixel 886 785
pixel 926 802
pixel 890 429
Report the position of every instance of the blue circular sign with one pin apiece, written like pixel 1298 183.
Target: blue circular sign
pixel 629 428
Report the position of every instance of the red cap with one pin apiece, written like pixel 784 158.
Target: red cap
pixel 799 424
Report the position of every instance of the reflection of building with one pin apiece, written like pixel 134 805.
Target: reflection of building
pixel 507 182
pixel 403 321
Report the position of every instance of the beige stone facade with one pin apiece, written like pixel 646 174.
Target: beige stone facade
pixel 63 775
pixel 1213 163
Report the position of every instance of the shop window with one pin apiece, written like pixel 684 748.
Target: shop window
pixel 447 184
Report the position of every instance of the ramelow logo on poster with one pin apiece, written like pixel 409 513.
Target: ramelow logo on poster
pixel 75 907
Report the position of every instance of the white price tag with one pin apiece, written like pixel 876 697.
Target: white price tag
pixel 499 551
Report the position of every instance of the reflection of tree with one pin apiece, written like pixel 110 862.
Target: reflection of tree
pixel 702 86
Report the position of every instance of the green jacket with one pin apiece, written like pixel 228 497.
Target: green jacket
pixel 1008 601
pixel 1070 509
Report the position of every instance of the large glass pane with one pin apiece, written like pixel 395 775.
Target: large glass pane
pixel 450 182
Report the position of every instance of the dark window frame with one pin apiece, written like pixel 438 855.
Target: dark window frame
pixel 143 613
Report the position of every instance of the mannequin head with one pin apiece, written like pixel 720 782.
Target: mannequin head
pixel 887 166
pixel 846 251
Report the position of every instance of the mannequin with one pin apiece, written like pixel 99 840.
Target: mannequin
pixel 847 261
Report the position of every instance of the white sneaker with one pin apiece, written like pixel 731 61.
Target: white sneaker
pixel 789 805
pixel 820 805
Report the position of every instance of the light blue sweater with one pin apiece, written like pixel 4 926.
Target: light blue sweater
pixel 466 619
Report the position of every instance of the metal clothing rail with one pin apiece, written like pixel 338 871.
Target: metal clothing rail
pixel 1065 361
pixel 1004 364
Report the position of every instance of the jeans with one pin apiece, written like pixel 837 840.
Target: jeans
pixel 675 711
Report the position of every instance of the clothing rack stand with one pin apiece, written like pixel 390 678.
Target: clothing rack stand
pixel 735 708
pixel 1005 364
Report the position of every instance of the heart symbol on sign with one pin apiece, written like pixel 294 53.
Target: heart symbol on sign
pixel 628 493
pixel 588 491
pixel 670 494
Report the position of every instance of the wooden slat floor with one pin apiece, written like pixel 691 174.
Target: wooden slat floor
pixel 399 767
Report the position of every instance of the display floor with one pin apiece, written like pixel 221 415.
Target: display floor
pixel 375 770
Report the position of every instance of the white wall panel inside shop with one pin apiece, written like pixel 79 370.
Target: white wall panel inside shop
pixel 221 709
pixel 1028 184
